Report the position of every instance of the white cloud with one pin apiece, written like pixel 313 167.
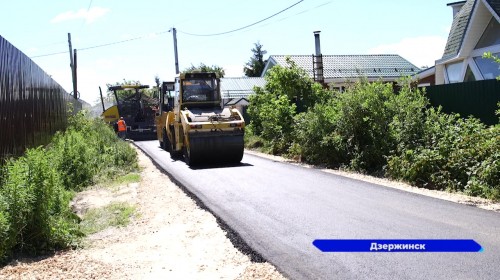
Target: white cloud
pixel 88 15
pixel 421 51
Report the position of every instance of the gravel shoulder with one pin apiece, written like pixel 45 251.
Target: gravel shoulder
pixel 169 237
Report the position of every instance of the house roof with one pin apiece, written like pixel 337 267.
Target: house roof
pixel 237 101
pixel 461 22
pixel 458 28
pixel 240 87
pixel 495 5
pixel 424 73
pixel 353 66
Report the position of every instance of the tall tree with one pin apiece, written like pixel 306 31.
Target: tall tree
pixel 256 65
pixel 205 68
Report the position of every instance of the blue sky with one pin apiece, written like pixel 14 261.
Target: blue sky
pixel 416 30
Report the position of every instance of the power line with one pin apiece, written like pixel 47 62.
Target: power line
pixel 122 41
pixel 162 32
pixel 49 54
pixel 102 45
pixel 90 4
pixel 244 27
pixel 112 43
pixel 299 13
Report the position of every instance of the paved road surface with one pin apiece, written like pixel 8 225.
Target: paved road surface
pixel 279 209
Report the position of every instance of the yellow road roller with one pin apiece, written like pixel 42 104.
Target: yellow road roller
pixel 192 122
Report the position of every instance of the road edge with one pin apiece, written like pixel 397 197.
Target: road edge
pixel 234 237
pixel 478 202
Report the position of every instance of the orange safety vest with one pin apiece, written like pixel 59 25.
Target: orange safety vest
pixel 121 126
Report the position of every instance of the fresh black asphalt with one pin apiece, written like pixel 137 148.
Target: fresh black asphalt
pixel 278 209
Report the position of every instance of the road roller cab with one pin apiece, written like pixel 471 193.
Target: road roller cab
pixel 192 123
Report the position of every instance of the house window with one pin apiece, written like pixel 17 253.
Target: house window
pixel 469 76
pixel 454 71
pixel 489 68
pixel 491 35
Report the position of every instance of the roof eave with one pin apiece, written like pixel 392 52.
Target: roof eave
pixel 492 11
pixel 266 68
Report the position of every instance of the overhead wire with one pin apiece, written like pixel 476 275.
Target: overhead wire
pixel 162 32
pixel 88 9
pixel 297 14
pixel 103 45
pixel 49 54
pixel 244 27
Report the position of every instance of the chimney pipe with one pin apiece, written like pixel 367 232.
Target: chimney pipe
pixel 318 61
pixel 317 42
pixel 456 6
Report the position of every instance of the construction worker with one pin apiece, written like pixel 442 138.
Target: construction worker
pixel 122 128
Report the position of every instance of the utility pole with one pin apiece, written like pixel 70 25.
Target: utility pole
pixel 174 32
pixel 75 81
pixel 72 66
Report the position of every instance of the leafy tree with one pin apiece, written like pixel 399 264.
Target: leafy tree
pixel 294 82
pixel 205 68
pixel 125 93
pixel 256 65
pixel 156 92
pixel 272 109
pixel 489 55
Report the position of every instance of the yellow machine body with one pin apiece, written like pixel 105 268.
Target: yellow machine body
pixel 111 114
pixel 193 123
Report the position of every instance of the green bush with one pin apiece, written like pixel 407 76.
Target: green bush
pixel 454 154
pixel 36 188
pixel 89 149
pixel 75 158
pixel 277 123
pixel 369 128
pixel 288 90
pixel 5 240
pixel 316 139
pixel 353 128
pixel 33 195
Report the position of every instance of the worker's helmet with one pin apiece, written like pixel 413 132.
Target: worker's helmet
pixel 121 118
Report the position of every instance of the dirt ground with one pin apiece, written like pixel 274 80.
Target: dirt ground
pixel 169 237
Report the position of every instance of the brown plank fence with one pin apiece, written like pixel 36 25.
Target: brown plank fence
pixel 32 105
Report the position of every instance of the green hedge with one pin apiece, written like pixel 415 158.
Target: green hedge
pixel 369 128
pixel 36 188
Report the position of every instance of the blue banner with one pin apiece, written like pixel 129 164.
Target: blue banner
pixel 397 245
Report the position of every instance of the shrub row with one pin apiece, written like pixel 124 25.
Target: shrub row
pixel 369 128
pixel 35 191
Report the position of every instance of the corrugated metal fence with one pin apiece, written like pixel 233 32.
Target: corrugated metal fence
pixel 32 105
pixel 478 99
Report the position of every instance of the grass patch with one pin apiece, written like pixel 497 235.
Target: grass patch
pixel 114 215
pixel 127 179
pixel 115 181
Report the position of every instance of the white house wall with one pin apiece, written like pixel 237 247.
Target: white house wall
pixel 440 74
